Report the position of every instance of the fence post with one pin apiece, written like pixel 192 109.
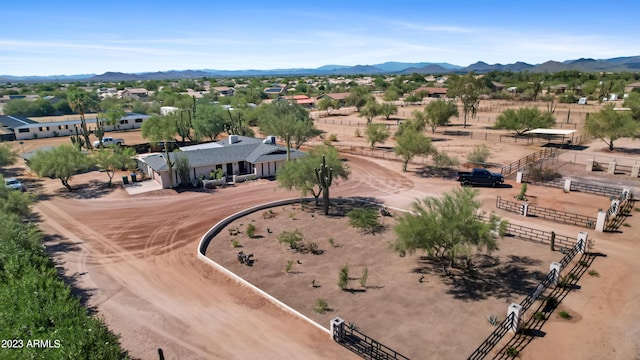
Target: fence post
pixel 516 310
pixel 524 209
pixel 555 268
pixel 601 220
pixel 626 194
pixel 612 167
pixel 615 206
pixel 337 329
pixel 567 185
pixel 635 171
pixel 519 176
pixel 590 163
pixel 582 241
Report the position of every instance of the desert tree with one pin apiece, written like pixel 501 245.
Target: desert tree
pixel 610 125
pixel 391 94
pixel 524 119
pixel 210 121
pixel 328 104
pixel 343 277
pixel 61 162
pixel 161 128
pixel 447 227
pixel 411 143
pixel 388 109
pixel 301 173
pixel 359 96
pixel 8 155
pixel 468 89
pixel 479 154
pixel 633 102
pixel 288 121
pixel 16 202
pixel 377 133
pixel 439 112
pixel 370 110
pixel 112 160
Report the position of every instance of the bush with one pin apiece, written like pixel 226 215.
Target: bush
pixel 332 242
pixel 511 351
pixel 479 155
pixel 542 175
pixel 594 273
pixel 565 315
pixel 366 219
pixel 321 306
pixel 343 278
pixel 522 196
pixel 287 268
pixel 540 316
pixel 251 230
pixel 292 238
pixel 442 160
pixel 235 243
pixel 312 247
pixel 357 133
pixel 333 137
pixel 364 277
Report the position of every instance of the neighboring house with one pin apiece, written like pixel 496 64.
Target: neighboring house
pixel 342 97
pixel 134 93
pixel 9 123
pixel 276 90
pixel 36 130
pixel 432 92
pixel 303 100
pixel 632 87
pixel 498 86
pixel 224 90
pixel 240 157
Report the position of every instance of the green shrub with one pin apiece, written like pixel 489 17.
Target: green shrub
pixel 292 238
pixel 235 243
pixel 540 316
pixel 512 352
pixel 366 219
pixel 364 277
pixel 542 175
pixel 333 137
pixel 357 133
pixel 522 196
pixel 479 155
pixel 321 306
pixel 594 273
pixel 251 230
pixel 565 315
pixel 583 263
pixel 332 242
pixel 493 320
pixel 288 266
pixel 312 246
pixel 343 278
pixel 442 160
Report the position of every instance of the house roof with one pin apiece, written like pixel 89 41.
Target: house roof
pixel 33 124
pixel 432 90
pixel 336 96
pixel 12 122
pixel 247 149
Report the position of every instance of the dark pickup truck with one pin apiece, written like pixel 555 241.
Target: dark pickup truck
pixel 480 177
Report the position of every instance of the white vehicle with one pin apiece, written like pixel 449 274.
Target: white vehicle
pixel 14 184
pixel 108 141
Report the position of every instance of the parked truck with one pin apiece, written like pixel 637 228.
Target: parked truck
pixel 480 176
pixel 108 141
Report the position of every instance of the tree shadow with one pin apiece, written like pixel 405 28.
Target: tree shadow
pixel 90 190
pixel 488 276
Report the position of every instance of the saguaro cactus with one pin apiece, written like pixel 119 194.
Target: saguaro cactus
pixel 324 176
pixel 77 140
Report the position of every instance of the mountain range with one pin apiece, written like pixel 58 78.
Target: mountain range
pixel 619 64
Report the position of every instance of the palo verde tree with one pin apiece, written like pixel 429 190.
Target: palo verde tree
pixel 359 96
pixel 301 173
pixel 328 104
pixel 439 112
pixel 610 125
pixel 447 228
pixel 524 119
pixel 288 121
pixel 370 110
pixel 210 121
pixel 410 143
pixel 161 128
pixel 112 160
pixel 82 102
pixel 8 155
pixel 61 162
pixel 387 109
pixel 468 89
pixel 376 133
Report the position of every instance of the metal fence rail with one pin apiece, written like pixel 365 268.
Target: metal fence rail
pixel 493 339
pixel 527 160
pixel 561 216
pixel 366 347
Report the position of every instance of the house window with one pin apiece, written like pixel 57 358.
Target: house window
pixel 138 121
pixel 23 130
pixel 63 127
pixel 123 122
pixel 43 128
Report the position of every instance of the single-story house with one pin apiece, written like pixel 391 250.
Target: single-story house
pixel 276 90
pixel 240 157
pixel 342 97
pixel 36 130
pixel 224 90
pixel 432 92
pixel 303 100
pixel 632 87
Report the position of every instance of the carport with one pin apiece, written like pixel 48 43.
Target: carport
pixel 555 134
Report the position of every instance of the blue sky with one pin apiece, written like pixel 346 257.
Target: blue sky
pixel 81 37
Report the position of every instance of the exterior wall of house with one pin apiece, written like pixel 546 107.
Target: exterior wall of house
pixel 45 130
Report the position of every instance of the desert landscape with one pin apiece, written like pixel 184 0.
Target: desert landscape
pixel 133 259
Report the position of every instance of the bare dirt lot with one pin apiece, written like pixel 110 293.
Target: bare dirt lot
pixel 133 258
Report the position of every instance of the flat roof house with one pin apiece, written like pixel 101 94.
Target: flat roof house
pixel 37 130
pixel 240 157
